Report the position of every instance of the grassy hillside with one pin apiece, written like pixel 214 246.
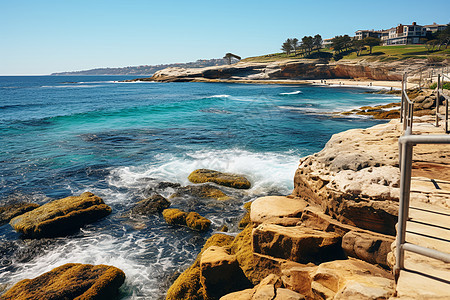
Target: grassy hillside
pixel 379 53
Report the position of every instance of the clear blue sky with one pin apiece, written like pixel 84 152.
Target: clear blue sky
pixel 41 37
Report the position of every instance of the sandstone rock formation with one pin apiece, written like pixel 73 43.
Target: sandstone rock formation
pixel 187 285
pixel 225 179
pixel 220 273
pixel 62 216
pixel 370 247
pixel 339 279
pixel 70 281
pixel 287 69
pixel 277 210
pixel 7 212
pixel 270 288
pixel 298 243
pixel 193 220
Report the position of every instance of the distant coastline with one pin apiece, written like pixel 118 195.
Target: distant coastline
pixel 145 70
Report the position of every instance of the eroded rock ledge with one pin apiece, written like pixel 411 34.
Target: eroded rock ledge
pixel 291 70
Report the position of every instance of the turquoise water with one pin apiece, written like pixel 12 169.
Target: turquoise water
pixel 61 136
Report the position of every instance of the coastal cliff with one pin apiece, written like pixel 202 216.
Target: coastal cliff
pixel 293 69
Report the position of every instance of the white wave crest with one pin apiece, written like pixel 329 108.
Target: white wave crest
pixel 292 93
pixel 219 96
pixel 266 171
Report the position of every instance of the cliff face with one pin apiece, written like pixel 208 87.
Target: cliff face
pixel 291 70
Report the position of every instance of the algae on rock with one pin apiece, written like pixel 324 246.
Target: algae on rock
pixel 187 286
pixel 59 217
pixel 70 281
pixel 225 179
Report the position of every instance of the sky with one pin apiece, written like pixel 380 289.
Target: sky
pixel 42 37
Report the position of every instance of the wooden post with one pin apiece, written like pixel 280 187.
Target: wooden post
pixel 437 99
pixel 420 80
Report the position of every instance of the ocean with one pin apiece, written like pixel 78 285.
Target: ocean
pixel 62 136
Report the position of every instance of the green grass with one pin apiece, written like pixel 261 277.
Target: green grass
pixel 398 52
pixel 379 53
pixel 280 56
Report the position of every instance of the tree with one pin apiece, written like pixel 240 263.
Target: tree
pixel 337 43
pixel 431 44
pixel 359 46
pixel 294 45
pixel 287 47
pixel 317 42
pixel 308 43
pixel 371 42
pixel 444 37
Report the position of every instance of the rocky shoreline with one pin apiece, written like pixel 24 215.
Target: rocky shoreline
pixel 330 239
pixel 295 71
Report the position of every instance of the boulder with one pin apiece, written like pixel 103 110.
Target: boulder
pixel 197 222
pixel 70 281
pixel 174 216
pixel 277 210
pixel 7 212
pixel 240 295
pixel 340 279
pixel 354 279
pixel 255 266
pixel 200 191
pixel 286 294
pixel 187 285
pixel 370 247
pixel 152 205
pixel 193 220
pixel 62 216
pixel 299 244
pixel 270 288
pixel 298 277
pixel 220 273
pixel 225 179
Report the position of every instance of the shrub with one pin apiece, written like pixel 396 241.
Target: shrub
pixel 445 85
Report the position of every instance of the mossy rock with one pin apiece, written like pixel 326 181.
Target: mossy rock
pixel 10 211
pixel 193 220
pixel 225 179
pixel 201 191
pixel 197 222
pixel 187 286
pixel 60 217
pixel 152 205
pixel 174 216
pixel 70 281
pixel 246 218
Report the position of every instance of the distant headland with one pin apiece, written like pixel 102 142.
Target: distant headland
pixel 146 70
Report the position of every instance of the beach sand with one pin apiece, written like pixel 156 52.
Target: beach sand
pixel 360 83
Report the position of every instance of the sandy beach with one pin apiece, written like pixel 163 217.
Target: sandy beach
pixel 360 83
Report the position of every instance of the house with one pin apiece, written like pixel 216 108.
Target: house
pixel 362 34
pixel 326 43
pixel 399 35
pixel 435 27
pixel 406 34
